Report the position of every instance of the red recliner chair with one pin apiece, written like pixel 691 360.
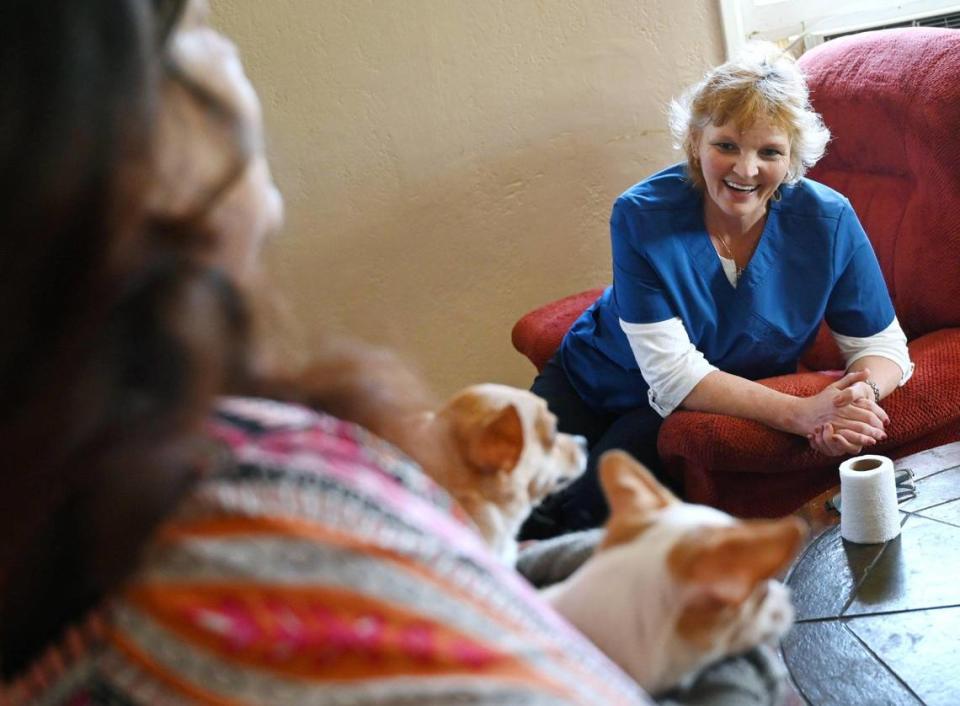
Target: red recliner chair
pixel 892 101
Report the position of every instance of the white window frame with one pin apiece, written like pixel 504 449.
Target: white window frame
pixel 808 22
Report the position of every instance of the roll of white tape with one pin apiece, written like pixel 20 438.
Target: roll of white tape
pixel 868 500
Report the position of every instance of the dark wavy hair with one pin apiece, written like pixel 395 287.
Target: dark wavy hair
pixel 115 336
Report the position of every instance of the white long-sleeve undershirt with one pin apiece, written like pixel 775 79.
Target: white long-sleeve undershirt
pixel 672 366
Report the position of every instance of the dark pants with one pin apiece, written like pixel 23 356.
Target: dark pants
pixel 581 505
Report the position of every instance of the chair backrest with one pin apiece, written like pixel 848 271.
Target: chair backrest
pixel 891 99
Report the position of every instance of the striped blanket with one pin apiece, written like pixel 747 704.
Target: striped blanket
pixel 317 565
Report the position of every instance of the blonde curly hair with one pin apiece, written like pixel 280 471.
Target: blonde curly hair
pixel 760 83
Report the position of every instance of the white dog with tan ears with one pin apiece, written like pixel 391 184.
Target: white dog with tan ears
pixel 672 586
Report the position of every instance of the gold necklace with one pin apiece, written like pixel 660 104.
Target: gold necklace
pixel 730 253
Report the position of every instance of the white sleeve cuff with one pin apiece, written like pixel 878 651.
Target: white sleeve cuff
pixel 891 343
pixel 668 361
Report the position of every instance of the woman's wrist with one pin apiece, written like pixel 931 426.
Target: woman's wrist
pixel 792 416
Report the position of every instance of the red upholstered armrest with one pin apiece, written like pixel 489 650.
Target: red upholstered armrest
pixel 727 443
pixel 538 334
pixel 930 401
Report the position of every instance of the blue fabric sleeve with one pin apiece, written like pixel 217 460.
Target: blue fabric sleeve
pixel 637 289
pixel 859 304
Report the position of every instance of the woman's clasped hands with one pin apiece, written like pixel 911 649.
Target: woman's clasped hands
pixel 844 417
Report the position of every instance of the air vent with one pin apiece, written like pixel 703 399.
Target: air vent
pixel 949 21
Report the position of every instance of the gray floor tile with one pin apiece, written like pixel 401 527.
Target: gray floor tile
pixel 831 667
pixel 922 648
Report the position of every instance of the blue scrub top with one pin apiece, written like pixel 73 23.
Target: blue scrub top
pixel 813 260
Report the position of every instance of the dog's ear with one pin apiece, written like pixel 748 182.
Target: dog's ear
pixel 727 563
pixel 633 494
pixel 629 487
pixel 497 444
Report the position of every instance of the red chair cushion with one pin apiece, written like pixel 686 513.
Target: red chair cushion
pixel 538 334
pixel 892 101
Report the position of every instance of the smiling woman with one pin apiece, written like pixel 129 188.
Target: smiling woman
pixel 723 269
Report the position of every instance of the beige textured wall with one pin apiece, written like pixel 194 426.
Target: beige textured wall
pixel 450 164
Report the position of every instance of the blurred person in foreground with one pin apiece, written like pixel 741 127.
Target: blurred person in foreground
pixel 165 543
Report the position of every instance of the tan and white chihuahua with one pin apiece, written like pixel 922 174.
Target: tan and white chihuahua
pixel 494 448
pixel 674 586
pixel 500 454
